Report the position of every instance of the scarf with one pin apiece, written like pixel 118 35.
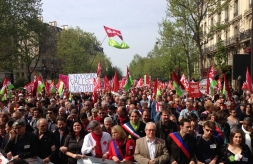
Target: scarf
pixel 247 138
pixel 135 127
pixel 85 124
pixel 99 119
pixel 98 149
pixel 122 120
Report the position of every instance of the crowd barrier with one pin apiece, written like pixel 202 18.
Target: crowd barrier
pixel 94 160
pixel 35 160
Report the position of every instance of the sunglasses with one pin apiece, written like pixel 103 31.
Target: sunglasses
pixel 102 113
pixel 49 112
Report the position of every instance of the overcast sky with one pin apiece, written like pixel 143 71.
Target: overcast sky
pixel 136 19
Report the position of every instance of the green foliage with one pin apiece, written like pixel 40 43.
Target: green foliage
pixel 21 82
pixel 220 56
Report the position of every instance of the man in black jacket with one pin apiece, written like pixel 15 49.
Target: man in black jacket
pixel 46 142
pixel 164 125
pixel 182 154
pixel 22 144
pixel 60 133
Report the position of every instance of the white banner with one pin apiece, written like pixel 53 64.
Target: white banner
pixel 81 82
pixel 35 160
pixel 94 160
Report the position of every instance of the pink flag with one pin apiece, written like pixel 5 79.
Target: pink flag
pixel 65 80
pixel 184 81
pixel 140 83
pixel 29 87
pixel 248 81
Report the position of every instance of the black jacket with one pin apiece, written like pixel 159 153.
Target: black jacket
pixel 45 144
pixel 60 158
pixel 176 154
pixel 28 146
pixel 162 131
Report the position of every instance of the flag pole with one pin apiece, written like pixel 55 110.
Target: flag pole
pixel 103 39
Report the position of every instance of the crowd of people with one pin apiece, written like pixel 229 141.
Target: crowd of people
pixel 130 127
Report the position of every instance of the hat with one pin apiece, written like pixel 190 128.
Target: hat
pixel 20 122
pixel 20 95
pixel 73 112
pixel 52 99
pixel 21 108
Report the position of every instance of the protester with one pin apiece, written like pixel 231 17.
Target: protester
pixel 248 132
pixel 22 144
pixel 235 151
pixel 134 128
pixel 96 142
pixel 73 143
pixel 182 154
pixel 121 148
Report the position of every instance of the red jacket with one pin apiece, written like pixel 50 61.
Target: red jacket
pixel 130 147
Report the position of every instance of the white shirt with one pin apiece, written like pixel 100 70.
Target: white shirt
pixel 88 142
pixel 151 148
pixel 5 109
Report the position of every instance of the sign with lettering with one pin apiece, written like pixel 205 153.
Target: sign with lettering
pixel 194 89
pixel 81 82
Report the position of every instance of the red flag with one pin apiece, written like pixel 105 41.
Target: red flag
pixel 155 87
pixel 207 83
pixel 135 82
pixel 115 87
pixel 176 79
pixel 94 94
pixel 140 83
pixel 248 81
pixel 107 85
pixel 112 32
pixel 47 87
pixel 146 80
pixel 99 69
pixel 170 85
pixel 219 84
pixel 185 82
pixel 244 86
pixel 229 94
pixel 122 83
pixel 29 87
pixel 35 84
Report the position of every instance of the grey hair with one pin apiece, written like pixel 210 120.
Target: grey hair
pixel 38 122
pixel 93 124
pixel 150 123
pixel 134 111
pixel 94 110
pixel 108 119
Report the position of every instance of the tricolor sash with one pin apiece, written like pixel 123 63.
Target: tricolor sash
pixel 218 133
pixel 181 144
pixel 130 130
pixel 116 151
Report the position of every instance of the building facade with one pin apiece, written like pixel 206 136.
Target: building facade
pixel 236 37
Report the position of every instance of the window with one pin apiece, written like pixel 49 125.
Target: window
pixel 226 15
pixel 236 8
pixel 23 74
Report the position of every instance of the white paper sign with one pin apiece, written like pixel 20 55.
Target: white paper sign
pixel 81 82
pixel 94 160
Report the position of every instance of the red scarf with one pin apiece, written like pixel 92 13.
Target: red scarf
pixel 122 120
pixel 98 149
pixel 100 120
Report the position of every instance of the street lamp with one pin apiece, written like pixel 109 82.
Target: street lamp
pixel 44 68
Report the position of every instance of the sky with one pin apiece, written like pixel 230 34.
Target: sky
pixel 136 19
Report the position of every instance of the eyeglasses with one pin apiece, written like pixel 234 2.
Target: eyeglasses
pixel 49 112
pixel 101 113
pixel 208 130
pixel 151 130
pixel 86 105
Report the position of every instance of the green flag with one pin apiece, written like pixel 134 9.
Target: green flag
pixel 115 44
pixel 129 82
pixel 178 89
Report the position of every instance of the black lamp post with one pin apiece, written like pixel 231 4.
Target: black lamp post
pixel 239 79
pixel 44 69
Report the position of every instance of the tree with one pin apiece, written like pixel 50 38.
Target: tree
pixel 21 33
pixel 220 56
pixel 191 13
pixel 79 52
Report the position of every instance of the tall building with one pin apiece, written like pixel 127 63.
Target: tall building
pixel 236 36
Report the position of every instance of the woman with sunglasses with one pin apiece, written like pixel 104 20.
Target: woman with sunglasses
pixel 235 152
pixel 73 142
pixel 233 121
pixel 121 149
pixel 207 147
pixel 134 128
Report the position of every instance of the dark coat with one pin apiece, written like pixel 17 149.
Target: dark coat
pixel 29 146
pixel 162 131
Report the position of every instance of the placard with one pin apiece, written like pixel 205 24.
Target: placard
pixel 194 90
pixel 94 160
pixel 81 82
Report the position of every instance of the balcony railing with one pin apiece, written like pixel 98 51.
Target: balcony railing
pixel 245 35
pixel 235 13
